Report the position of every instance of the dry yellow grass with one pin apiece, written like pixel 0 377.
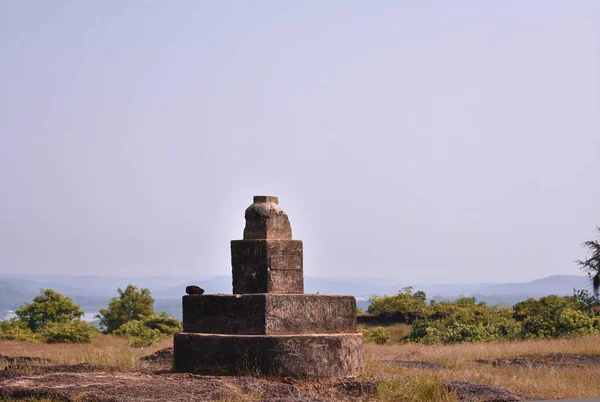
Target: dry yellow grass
pixel 105 350
pixel 541 382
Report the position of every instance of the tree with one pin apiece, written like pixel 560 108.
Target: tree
pixel 48 307
pixel 131 304
pixel 591 265
pixel 405 301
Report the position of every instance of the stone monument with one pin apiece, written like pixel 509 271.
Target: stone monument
pixel 269 326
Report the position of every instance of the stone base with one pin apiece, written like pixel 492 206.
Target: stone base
pixel 298 356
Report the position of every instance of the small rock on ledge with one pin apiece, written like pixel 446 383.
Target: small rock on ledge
pixel 194 290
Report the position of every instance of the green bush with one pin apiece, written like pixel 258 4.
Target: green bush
pixel 17 330
pixel 452 331
pixel 562 323
pixel 557 316
pixel 49 306
pixel 378 335
pixel 466 320
pixel 138 334
pixel 162 322
pixel 68 332
pixel 404 301
pixel 546 305
pixel 147 331
pixel 50 317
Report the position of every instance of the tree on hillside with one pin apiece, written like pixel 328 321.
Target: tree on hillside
pixel 591 265
pixel 131 304
pixel 48 307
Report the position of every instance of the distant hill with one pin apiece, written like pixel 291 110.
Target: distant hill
pixel 94 292
pixel 557 284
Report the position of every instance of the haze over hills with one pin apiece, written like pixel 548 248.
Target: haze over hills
pixel 94 292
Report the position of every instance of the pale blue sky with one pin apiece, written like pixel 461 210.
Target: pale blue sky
pixel 421 141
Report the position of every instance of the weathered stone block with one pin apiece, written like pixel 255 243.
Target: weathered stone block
pixel 267 266
pixel 269 314
pixel 298 356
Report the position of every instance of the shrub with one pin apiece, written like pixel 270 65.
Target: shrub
pixel 165 324
pixel 48 307
pixel 70 332
pixel 546 305
pixel 451 331
pixel 378 335
pixel 50 317
pixel 557 316
pixel 148 330
pixel 138 334
pixel 404 301
pixel 465 320
pixel 17 330
pixel 560 323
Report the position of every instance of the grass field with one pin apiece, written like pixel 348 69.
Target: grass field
pixel 394 382
pixel 460 360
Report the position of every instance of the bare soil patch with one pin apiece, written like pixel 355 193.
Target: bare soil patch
pixel 521 363
pixel 568 358
pixel 553 360
pixel 138 386
pixel 468 391
pixel 415 364
pixel 14 371
pixel 22 360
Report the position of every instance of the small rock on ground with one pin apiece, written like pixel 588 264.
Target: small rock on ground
pixel 163 355
pixel 470 392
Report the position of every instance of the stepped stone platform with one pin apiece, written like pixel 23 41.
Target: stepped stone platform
pixel 268 326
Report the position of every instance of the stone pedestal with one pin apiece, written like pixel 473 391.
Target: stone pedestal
pixel 299 356
pixel 268 326
pixel 267 266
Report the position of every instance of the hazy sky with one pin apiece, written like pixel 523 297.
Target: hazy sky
pixel 422 141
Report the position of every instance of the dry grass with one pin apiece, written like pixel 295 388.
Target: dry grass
pixel 422 387
pixel 106 350
pixel 395 383
pixel 541 382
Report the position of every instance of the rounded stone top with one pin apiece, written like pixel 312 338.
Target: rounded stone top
pixel 265 219
pixel 265 206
